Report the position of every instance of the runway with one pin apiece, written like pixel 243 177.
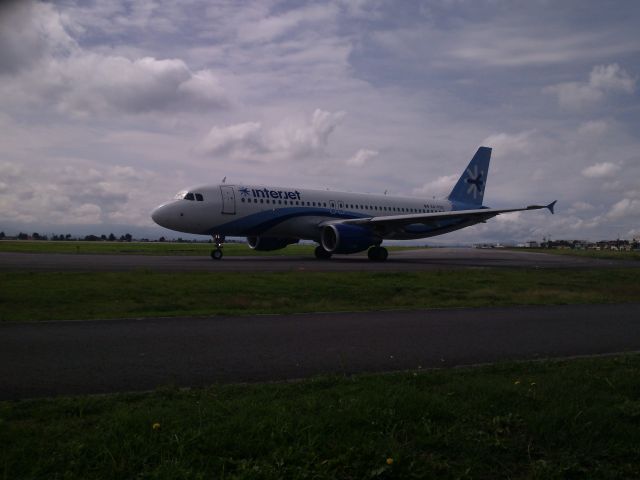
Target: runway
pixel 403 260
pixel 63 358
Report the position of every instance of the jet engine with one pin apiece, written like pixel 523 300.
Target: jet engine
pixel 341 238
pixel 265 244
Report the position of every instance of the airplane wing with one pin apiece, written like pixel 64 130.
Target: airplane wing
pixel 393 222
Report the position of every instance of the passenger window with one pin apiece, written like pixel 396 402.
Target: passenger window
pixel 261 201
pixel 189 196
pixel 242 200
pixel 313 203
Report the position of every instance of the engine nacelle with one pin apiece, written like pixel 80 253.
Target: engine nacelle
pixel 265 244
pixel 340 238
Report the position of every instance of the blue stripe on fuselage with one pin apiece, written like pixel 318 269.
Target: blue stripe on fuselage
pixel 260 222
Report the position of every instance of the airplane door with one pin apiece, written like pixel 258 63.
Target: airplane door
pixel 228 199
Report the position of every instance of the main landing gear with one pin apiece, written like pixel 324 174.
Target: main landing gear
pixel 321 253
pixel 219 241
pixel 378 254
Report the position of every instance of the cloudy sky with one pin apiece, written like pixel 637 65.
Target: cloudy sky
pixel 109 108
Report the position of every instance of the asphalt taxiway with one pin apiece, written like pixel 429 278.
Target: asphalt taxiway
pixel 62 358
pixel 403 260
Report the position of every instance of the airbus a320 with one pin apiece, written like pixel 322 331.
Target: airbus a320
pixel 341 223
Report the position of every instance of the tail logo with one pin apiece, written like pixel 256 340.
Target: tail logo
pixel 475 181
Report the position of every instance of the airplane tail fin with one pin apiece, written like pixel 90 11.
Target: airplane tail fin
pixel 471 185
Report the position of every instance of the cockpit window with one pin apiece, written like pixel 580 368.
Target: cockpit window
pixel 199 197
pixel 189 196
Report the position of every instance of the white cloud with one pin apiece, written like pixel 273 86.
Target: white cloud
pixel 75 192
pixel 575 95
pixel 439 187
pixel 361 157
pixel 515 46
pixel 86 214
pixel 240 140
pixel 44 66
pixel 513 217
pixel 272 27
pixel 625 208
pixel 127 96
pixel 505 144
pixel 601 170
pixel 611 78
pixel 252 141
pixel 594 128
pixel 580 206
pixel 29 31
pixel 603 80
pixel 203 86
pixel 94 84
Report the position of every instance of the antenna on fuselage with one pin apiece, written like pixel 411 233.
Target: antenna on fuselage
pixel 224 180
pixel 385 192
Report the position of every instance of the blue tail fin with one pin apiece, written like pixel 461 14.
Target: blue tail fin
pixel 471 185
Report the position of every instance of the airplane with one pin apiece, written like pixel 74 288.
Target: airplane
pixel 341 223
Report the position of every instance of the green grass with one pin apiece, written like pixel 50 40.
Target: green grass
pixel 542 420
pixel 150 248
pixel 56 296
pixel 603 254
pixel 141 248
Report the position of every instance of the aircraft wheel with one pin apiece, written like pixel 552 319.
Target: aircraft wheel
pixel 378 254
pixel 216 254
pixel 321 253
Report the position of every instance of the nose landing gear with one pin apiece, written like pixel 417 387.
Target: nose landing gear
pixel 219 241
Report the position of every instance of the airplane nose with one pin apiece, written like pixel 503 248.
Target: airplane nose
pixel 159 216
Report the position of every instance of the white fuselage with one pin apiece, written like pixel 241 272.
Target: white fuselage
pixel 274 217
pixel 246 210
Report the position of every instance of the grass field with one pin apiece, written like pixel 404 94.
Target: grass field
pixel 603 254
pixel 150 248
pixel 141 248
pixel 543 420
pixel 28 296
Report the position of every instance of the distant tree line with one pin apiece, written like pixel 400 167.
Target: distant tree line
pixel 127 237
